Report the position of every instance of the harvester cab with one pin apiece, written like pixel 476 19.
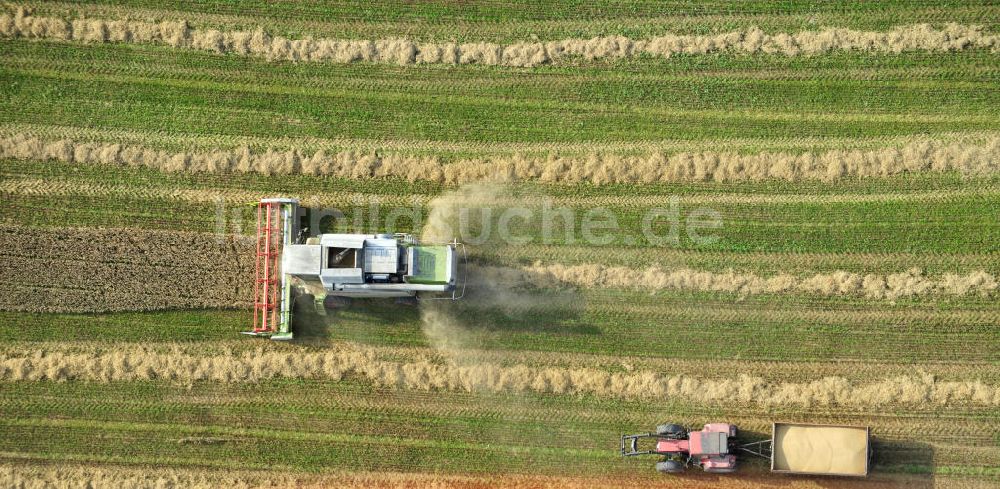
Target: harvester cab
pixel 335 268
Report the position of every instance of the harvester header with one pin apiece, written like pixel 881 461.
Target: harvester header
pixel 276 223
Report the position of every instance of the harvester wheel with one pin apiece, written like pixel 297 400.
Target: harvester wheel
pixel 673 431
pixel 336 301
pixel 669 467
pixel 305 303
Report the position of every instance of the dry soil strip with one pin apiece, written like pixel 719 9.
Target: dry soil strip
pixel 69 474
pixel 101 270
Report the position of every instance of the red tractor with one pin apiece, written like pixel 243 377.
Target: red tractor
pixel 709 448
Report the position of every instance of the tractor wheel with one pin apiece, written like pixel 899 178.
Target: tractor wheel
pixel 673 431
pixel 730 470
pixel 669 467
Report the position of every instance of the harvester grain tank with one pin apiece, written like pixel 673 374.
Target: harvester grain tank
pixel 794 448
pixel 344 266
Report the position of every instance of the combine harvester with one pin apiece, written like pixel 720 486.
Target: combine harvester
pixel 338 267
pixel 794 448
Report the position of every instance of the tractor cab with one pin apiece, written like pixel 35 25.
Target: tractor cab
pixel 708 448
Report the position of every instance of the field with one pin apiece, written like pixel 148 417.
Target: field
pixel 831 170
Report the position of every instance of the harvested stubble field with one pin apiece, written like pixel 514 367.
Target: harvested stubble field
pixel 850 149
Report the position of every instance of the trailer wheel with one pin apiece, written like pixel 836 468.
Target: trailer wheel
pixel 674 431
pixel 669 467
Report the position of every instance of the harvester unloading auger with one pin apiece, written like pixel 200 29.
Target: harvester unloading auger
pixel 338 267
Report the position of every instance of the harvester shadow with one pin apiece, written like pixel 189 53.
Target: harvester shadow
pixel 488 309
pixel 312 327
pixel 493 319
pixel 496 310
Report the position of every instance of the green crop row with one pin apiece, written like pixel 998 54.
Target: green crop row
pixel 605 322
pixel 510 107
pixel 150 104
pixel 763 263
pixel 317 426
pixel 961 225
pixel 667 325
pixel 845 82
pixel 136 180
